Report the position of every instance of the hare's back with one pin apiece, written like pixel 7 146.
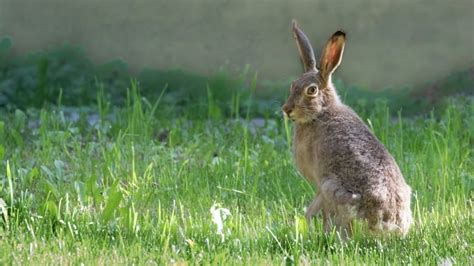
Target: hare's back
pixel 355 155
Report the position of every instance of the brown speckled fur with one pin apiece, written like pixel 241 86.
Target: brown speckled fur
pixel 335 151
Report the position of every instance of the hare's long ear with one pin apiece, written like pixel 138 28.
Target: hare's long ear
pixel 332 54
pixel 304 47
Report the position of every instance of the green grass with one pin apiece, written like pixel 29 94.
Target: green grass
pixel 137 186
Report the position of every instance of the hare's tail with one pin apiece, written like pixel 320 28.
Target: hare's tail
pixel 333 189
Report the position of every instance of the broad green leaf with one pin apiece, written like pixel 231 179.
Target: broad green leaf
pixel 51 187
pixel 93 190
pixel 113 201
pixel 50 208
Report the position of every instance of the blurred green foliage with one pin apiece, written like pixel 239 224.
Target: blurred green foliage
pixel 67 77
pixel 66 74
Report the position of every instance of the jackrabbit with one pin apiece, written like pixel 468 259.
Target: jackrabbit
pixel 335 151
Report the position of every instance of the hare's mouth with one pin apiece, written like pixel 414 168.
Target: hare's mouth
pixel 296 119
pixel 290 117
pixel 301 119
pixel 296 116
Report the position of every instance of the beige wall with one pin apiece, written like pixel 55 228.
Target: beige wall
pixel 390 43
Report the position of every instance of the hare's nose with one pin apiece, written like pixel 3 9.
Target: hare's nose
pixel 287 109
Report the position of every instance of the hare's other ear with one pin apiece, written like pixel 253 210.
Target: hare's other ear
pixel 304 47
pixel 332 54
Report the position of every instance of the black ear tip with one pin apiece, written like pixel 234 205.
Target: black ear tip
pixel 339 33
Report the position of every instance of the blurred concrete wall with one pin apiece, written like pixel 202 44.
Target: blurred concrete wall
pixel 390 43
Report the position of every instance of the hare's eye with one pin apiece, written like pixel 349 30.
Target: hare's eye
pixel 312 90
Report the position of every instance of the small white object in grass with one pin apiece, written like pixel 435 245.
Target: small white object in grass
pixel 3 206
pixel 3 210
pixel 219 215
pixel 446 262
pixel 216 160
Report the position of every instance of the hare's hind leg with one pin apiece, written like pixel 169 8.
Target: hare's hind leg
pixel 313 209
pixel 341 206
pixel 333 190
pixel 339 217
pixel 346 214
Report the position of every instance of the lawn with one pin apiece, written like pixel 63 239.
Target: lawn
pixel 146 183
